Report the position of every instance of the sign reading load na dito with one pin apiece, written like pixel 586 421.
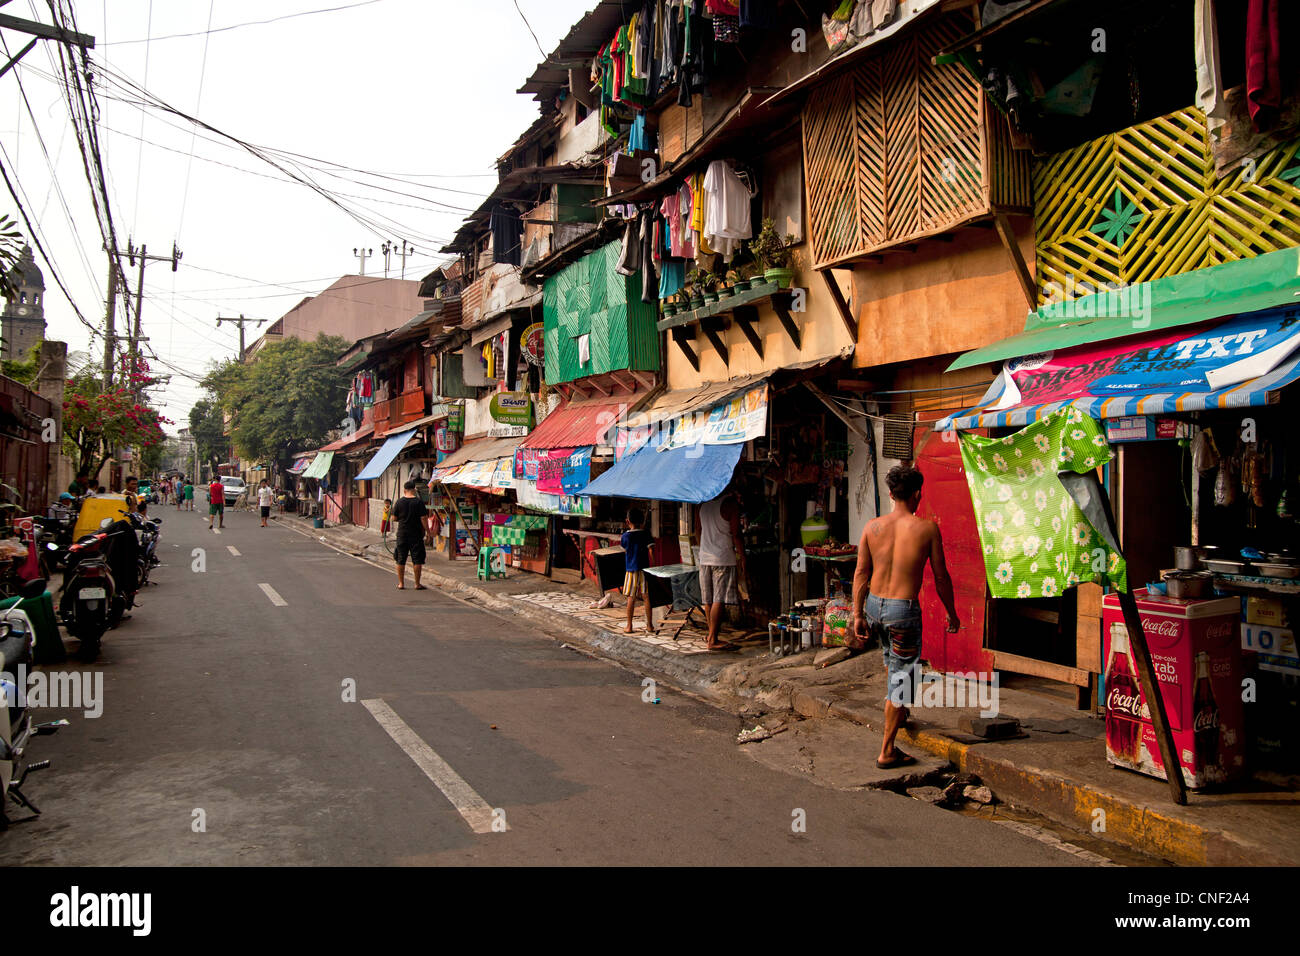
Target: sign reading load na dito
pixel 512 408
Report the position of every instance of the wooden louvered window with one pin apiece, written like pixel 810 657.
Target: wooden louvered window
pixel 897 149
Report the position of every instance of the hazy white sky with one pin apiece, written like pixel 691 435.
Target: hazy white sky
pixel 421 90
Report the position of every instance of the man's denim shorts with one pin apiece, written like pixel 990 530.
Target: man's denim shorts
pixel 897 625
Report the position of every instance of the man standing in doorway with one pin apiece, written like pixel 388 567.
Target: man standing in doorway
pixel 722 557
pixel 216 503
pixel 410 519
pixel 891 561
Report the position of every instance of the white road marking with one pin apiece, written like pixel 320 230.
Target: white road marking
pixel 233 550
pixel 275 598
pixel 476 811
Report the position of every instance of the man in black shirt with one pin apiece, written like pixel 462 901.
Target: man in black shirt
pixel 411 521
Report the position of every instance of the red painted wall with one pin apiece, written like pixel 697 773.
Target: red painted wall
pixel 946 499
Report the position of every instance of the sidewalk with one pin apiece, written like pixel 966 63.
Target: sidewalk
pixel 1057 768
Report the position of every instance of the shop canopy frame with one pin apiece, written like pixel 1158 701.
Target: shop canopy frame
pixel 1251 359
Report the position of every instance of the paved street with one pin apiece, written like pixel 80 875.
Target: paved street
pixel 225 695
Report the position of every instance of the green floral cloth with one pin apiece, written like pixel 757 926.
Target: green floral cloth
pixel 1036 540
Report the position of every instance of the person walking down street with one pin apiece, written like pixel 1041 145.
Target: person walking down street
pixel 722 557
pixel 189 496
pixel 636 547
pixel 410 516
pixel 265 498
pixel 216 503
pixel 891 560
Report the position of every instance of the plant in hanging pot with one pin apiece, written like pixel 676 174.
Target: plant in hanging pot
pixel 773 254
pixel 728 286
pixel 695 283
pixel 668 306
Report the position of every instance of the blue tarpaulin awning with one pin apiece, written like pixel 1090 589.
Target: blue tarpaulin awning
pixel 384 457
pixel 691 474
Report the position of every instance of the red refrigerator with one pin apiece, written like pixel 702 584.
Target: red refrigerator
pixel 1196 656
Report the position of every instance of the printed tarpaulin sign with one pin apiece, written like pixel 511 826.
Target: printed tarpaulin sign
pixel 738 420
pixel 504 475
pixel 1182 369
pixel 563 470
pixel 1037 541
pixel 576 473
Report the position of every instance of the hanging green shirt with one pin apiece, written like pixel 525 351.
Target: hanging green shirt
pixel 1036 540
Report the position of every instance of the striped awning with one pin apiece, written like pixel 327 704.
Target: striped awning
pixel 1262 390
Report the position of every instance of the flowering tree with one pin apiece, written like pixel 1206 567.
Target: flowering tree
pixel 96 421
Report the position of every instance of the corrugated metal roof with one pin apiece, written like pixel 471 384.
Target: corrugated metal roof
pixel 347 441
pixel 481 449
pixel 578 424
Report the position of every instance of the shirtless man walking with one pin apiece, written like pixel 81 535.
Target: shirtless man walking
pixel 891 560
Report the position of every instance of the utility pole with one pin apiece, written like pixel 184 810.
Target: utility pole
pixel 406 249
pixel 108 321
pixel 136 338
pixel 363 254
pixel 241 321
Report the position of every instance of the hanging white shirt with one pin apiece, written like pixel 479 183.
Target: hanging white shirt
pixel 726 210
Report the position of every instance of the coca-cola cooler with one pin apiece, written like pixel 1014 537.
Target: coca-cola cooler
pixel 1196 656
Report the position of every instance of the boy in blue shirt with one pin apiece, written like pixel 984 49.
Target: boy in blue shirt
pixel 636 543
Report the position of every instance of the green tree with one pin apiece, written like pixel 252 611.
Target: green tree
pixel 23 371
pixel 96 421
pixel 207 425
pixel 287 400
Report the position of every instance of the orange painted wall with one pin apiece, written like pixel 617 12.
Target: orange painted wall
pixel 943 297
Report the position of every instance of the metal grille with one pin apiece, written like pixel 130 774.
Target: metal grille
pixel 898 437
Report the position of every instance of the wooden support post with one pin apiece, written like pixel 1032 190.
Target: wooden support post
pixel 712 331
pixel 781 306
pixel 683 337
pixel 1137 639
pixel 835 410
pixel 1008 237
pixel 747 319
pixel 841 306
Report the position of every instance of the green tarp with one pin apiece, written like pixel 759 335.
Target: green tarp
pixel 321 466
pixel 1246 285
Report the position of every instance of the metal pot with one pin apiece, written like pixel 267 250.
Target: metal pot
pixel 1188 584
pixel 1187 559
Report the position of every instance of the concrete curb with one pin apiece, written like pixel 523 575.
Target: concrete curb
pixel 1064 800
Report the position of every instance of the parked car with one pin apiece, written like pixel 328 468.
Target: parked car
pixel 234 486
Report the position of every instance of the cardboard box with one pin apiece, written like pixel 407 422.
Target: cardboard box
pixel 1266 610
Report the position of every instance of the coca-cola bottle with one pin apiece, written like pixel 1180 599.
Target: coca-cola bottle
pixel 1123 698
pixel 1205 722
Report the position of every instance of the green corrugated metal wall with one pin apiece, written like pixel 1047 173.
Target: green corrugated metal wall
pixel 589 297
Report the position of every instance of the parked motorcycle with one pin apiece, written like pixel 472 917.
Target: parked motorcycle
pixel 148 532
pixel 99 584
pixel 17 641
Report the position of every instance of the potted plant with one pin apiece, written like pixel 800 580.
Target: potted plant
pixel 710 283
pixel 773 254
pixel 728 286
pixel 695 285
pixel 668 306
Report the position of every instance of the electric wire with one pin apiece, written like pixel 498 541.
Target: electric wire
pixel 250 23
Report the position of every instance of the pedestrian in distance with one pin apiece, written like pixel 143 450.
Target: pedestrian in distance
pixel 636 543
pixel 216 503
pixel 891 560
pixel 265 498
pixel 410 517
pixel 189 496
pixel 180 493
pixel 386 523
pixel 722 558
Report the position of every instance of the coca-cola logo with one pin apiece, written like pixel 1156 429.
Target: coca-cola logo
pixel 1129 705
pixel 1207 719
pixel 1217 631
pixel 1162 628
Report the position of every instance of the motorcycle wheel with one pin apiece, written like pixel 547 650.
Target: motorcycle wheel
pixel 116 608
pixel 91 636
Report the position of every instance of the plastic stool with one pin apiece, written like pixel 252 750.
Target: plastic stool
pixel 485 570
